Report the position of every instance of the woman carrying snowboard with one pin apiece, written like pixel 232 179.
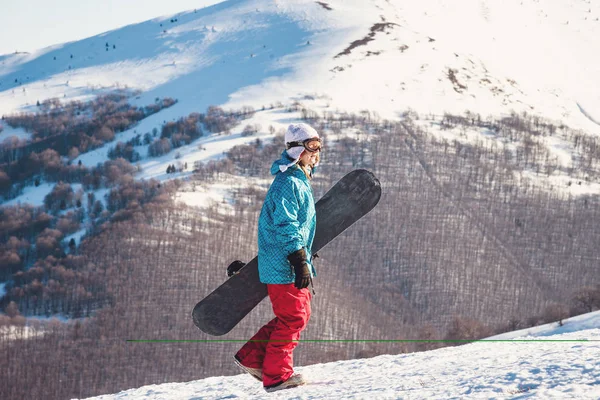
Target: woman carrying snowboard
pixel 286 229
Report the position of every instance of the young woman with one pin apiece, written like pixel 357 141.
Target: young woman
pixel 286 229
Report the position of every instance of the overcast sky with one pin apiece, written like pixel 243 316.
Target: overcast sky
pixel 27 25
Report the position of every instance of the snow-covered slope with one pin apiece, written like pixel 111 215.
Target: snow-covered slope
pixel 433 56
pixel 539 56
pixel 543 363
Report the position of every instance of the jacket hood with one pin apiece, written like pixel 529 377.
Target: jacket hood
pixel 284 162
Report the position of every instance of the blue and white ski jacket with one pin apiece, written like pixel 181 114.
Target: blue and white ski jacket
pixel 287 223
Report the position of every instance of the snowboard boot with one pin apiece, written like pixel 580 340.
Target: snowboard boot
pixel 292 382
pixel 255 372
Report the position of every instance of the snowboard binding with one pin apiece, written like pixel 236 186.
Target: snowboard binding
pixel 235 267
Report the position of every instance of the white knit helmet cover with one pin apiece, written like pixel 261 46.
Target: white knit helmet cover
pixel 297 133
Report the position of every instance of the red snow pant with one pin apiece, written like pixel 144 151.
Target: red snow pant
pixel 272 346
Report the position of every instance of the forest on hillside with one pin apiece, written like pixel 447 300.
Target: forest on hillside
pixel 469 239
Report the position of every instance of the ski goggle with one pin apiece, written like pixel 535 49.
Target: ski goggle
pixel 312 144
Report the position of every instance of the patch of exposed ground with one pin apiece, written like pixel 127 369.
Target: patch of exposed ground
pixel 458 87
pixel 324 5
pixel 380 27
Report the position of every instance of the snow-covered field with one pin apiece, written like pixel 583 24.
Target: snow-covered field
pixel 33 195
pixel 546 362
pixel 8 131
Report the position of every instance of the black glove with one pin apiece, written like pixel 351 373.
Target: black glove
pixel 300 264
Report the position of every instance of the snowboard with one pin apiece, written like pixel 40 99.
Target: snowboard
pixel 346 202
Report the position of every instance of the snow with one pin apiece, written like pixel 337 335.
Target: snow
pixel 573 324
pixel 18 332
pixel 100 195
pixel 589 108
pixel 563 362
pixel 79 21
pixel 8 131
pixel 76 236
pixel 210 147
pixel 32 195
pixel 205 195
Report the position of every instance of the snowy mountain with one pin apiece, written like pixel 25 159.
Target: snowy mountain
pixel 385 56
pixel 546 362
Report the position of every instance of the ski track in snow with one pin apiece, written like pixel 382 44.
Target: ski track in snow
pixel 481 370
